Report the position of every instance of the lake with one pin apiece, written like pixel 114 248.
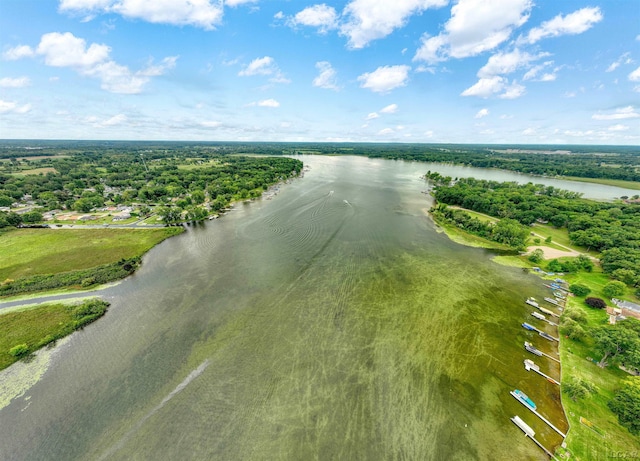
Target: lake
pixel 331 322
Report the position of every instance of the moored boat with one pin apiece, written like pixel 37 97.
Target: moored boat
pixel 522 397
pixel 538 316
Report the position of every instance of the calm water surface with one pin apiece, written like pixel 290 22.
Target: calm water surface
pixel 332 322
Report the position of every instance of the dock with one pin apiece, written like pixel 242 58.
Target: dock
pixel 530 365
pixel 545 335
pixel 553 301
pixel 543 318
pixel 531 348
pixel 534 303
pixel 519 399
pixel 528 432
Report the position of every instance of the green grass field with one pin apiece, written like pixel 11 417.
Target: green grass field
pixel 37 326
pixel 606 437
pixel 27 252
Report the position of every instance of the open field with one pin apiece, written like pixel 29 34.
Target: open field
pixel 28 252
pixel 43 170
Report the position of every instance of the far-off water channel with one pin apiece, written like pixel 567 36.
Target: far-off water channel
pixel 331 323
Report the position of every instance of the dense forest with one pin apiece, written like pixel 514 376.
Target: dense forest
pixel 181 181
pixel 610 162
pixel 613 229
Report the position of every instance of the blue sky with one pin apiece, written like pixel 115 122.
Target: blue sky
pixel 466 71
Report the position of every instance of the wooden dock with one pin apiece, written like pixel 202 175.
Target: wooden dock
pixel 530 365
pixel 543 318
pixel 528 432
pixel 531 348
pixel 544 334
pixel 564 436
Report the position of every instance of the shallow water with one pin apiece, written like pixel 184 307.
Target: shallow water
pixel 332 322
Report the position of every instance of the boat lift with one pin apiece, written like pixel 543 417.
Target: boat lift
pixel 531 348
pixel 530 365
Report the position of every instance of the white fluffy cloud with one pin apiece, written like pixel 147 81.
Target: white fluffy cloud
pixel 259 66
pixel 321 16
pixel 67 50
pixel 368 20
pixel 327 76
pixel 13 107
pixel 200 13
pixel 482 113
pixel 19 52
pixel 506 63
pixel 20 82
pixel 619 114
pixel 385 79
pixel 635 75
pixel 475 26
pixel 234 3
pixel 264 66
pixel 487 87
pixel 372 116
pixel 390 109
pixel 269 103
pixel 573 23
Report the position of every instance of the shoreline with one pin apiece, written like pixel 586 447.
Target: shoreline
pixel 461 237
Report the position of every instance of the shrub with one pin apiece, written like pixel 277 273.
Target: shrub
pixel 536 256
pixel 613 289
pixel 572 329
pixel 19 350
pixel 596 303
pixel 554 266
pixel 577 315
pixel 578 389
pixel 579 289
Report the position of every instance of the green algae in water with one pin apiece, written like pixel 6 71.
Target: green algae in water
pixel 334 323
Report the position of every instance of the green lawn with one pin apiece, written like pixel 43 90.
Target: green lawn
pixel 579 361
pixel 27 252
pixel 560 236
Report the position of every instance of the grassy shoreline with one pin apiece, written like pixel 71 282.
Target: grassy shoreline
pixel 607 182
pixel 605 437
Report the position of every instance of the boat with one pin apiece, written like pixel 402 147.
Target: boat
pixel 547 336
pixel 531 348
pixel 552 301
pixel 538 316
pixel 530 365
pixel 532 302
pixel 523 426
pixel 546 311
pixel 526 326
pixel 522 397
